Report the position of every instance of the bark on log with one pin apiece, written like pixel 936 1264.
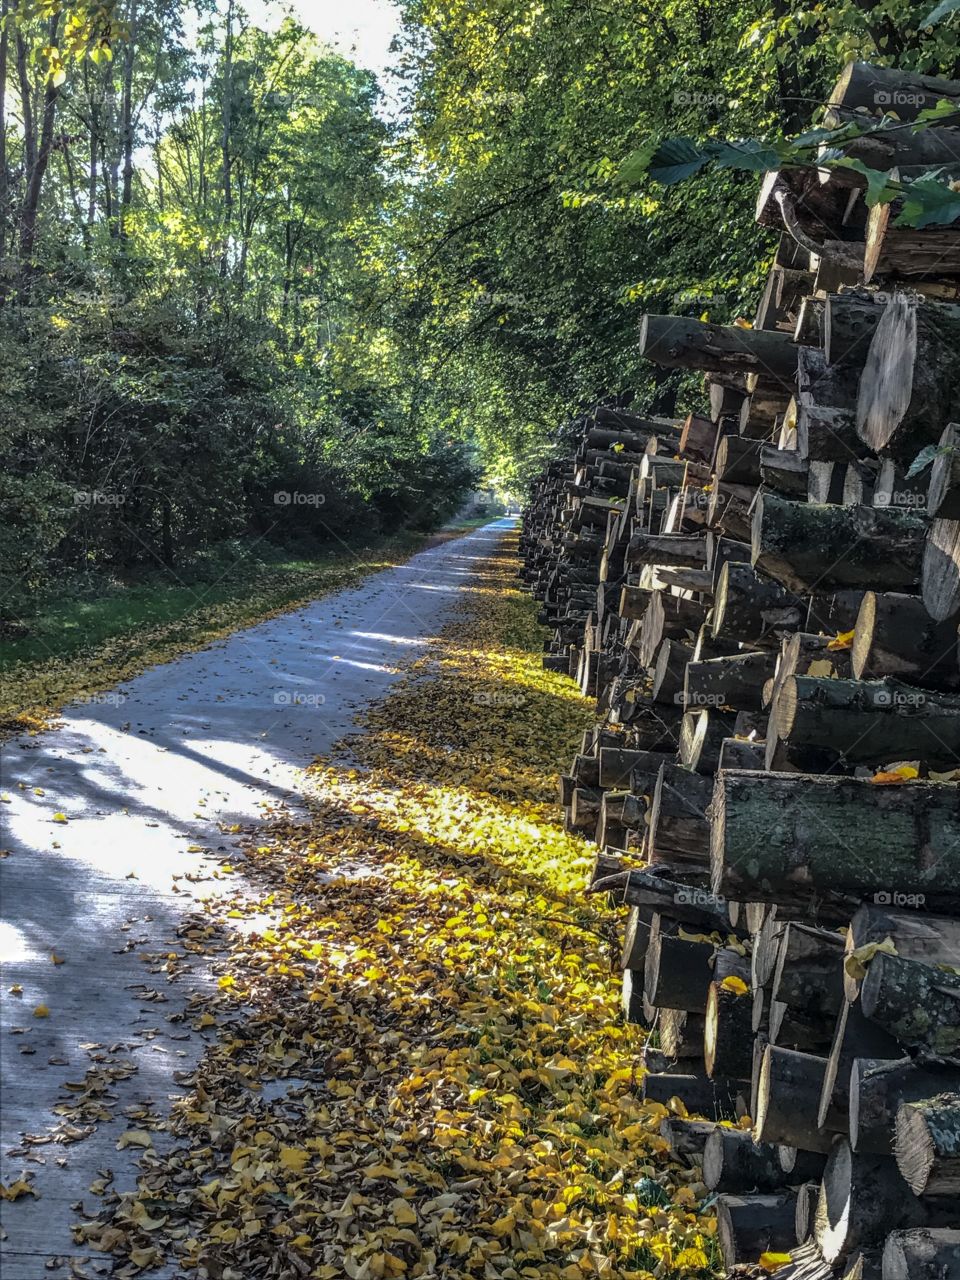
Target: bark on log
pixel 687 1137
pixel 748 1226
pixel 809 975
pixel 911 381
pixel 788 1094
pixel 918 1004
pixel 728 1033
pixel 883 89
pixel 810 547
pixel 735 682
pixel 895 636
pixel 861 1198
pixel 619 764
pixel 715 1099
pixel 679 827
pixel 752 608
pixel 681 342
pixel 919 936
pixel 867 721
pixel 922 1253
pixel 828 434
pixel 878 1087
pixel 677 973
pixel 789 838
pixel 733 1162
pixel 784 470
pixel 927 1145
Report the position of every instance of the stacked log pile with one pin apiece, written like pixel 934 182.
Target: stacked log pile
pixel 764 601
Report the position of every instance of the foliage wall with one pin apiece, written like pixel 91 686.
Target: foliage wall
pixel 241 297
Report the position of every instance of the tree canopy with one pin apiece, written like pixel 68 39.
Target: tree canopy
pixel 229 273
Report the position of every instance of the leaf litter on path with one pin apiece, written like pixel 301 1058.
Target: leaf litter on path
pixel 420 1068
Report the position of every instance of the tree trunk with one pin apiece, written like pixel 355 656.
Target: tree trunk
pixel 918 1004
pixel 680 342
pixel 788 1097
pixel 933 940
pixel 750 607
pixel 923 1253
pixel 895 636
pixel 733 1162
pixel 861 1198
pixel 927 1145
pixel 728 1033
pixel 30 208
pixel 791 838
pixel 911 381
pixel 810 547
pixel 715 1099
pixel 748 1226
pixel 822 719
pixel 735 682
pixel 878 1088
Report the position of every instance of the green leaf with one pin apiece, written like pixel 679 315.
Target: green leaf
pixel 928 203
pixel 637 164
pixel 879 190
pixel 940 12
pixel 922 460
pixel 676 159
pixel 944 108
pixel 750 155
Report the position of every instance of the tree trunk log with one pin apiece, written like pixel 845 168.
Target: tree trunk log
pixel 911 381
pixel 927 1145
pixel 748 1226
pixel 810 547
pixel 861 1198
pixel 715 1099
pixel 928 938
pixel 788 1096
pixel 728 1033
pixel 895 636
pixel 878 1087
pixel 924 1253
pixel 788 838
pixel 866 721
pixel 918 1004
pixel 681 342
pixel 733 1162
pixel 751 608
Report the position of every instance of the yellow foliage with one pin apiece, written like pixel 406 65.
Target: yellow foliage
pixel 430 995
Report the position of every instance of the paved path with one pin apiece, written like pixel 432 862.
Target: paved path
pixel 147 776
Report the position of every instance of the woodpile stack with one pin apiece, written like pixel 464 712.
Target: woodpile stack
pixel 764 600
